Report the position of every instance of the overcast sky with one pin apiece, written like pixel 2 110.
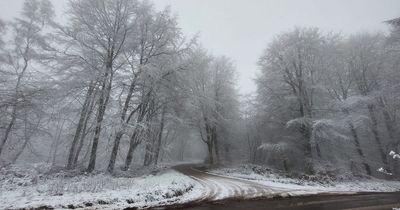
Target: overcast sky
pixel 241 29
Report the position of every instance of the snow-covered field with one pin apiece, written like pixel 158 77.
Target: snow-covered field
pixel 29 189
pixel 302 186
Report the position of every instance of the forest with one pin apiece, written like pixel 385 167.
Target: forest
pixel 118 87
pixel 115 77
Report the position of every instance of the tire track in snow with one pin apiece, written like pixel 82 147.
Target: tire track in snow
pixel 219 187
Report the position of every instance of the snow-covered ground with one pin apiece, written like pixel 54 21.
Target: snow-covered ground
pixel 295 187
pixel 23 188
pixel 35 187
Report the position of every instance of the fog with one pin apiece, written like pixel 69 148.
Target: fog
pixel 240 29
pixel 122 104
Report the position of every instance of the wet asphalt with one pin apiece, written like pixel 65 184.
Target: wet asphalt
pixel 370 201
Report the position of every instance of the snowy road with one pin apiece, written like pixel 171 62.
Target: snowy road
pixel 232 192
pixel 221 188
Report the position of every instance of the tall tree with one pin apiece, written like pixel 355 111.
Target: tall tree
pixel 99 29
pixel 24 47
pixel 212 99
pixel 295 61
pixel 365 64
pixel 159 42
pixel 340 86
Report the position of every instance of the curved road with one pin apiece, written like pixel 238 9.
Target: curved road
pixel 221 188
pixel 230 193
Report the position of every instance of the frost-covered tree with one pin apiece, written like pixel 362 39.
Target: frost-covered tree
pixel 291 68
pixel 213 101
pixel 159 45
pixel 97 32
pixel 20 58
pixel 332 89
pixel 365 62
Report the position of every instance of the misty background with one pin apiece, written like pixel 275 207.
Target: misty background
pixel 241 29
pixel 141 98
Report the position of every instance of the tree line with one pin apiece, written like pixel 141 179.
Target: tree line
pixel 117 75
pixel 117 84
pixel 330 99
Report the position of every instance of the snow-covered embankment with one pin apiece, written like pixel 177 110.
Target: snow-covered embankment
pixel 28 190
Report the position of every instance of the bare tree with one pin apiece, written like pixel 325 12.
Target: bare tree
pixel 296 58
pixel 365 63
pixel 99 28
pixel 159 40
pixel 27 42
pixel 341 88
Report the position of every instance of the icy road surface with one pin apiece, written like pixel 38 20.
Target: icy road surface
pixel 220 187
pixel 231 192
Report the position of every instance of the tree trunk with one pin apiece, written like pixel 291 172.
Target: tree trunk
pixel 132 146
pixel 83 115
pixel 133 143
pixel 103 100
pixel 114 151
pixel 210 153
pixel 358 148
pixel 160 135
pixel 120 133
pixel 375 132
pixel 390 126
pixel 215 140
pixel 318 149
pixel 357 144
pixel 15 102
pixel 389 122
pixel 27 137
pixel 148 157
pixel 9 128
pixel 307 135
pixel 209 140
pixel 84 132
pixel 151 138
pixel 53 162
pixel 310 167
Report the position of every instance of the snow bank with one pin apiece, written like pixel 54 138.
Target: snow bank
pixel 23 190
pixel 303 186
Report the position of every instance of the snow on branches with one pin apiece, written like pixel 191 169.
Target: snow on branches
pixel 384 171
pixel 394 155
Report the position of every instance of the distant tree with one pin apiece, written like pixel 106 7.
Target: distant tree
pixel 365 59
pixel 19 90
pixel 292 67
pixel 212 99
